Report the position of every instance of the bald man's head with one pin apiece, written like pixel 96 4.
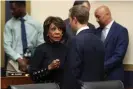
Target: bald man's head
pixel 103 15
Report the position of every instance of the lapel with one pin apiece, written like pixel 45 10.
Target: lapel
pixel 111 31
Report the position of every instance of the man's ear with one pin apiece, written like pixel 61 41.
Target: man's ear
pixel 75 20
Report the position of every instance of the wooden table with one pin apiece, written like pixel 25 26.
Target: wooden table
pixel 6 81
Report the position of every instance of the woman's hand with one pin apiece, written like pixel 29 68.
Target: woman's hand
pixel 54 65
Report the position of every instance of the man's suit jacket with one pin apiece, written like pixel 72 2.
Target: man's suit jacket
pixel 85 60
pixel 115 44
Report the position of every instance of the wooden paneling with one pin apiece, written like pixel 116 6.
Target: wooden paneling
pixel 128 67
pixel 6 81
pixel 2 30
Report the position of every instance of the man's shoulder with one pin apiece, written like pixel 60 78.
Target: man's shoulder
pixel 10 22
pixel 87 35
pixel 84 35
pixel 86 39
pixel 119 27
pixel 33 21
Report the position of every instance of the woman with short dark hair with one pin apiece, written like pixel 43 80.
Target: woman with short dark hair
pixel 48 60
pixel 57 21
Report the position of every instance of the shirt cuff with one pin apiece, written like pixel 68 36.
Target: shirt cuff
pixel 17 56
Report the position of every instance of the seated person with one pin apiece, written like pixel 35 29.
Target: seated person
pixel 48 59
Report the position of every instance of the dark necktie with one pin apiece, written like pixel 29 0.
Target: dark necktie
pixel 23 35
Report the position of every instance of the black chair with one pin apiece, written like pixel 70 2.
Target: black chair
pixel 35 86
pixel 86 85
pixel 116 84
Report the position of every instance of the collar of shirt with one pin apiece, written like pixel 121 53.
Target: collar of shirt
pixel 109 25
pixel 25 17
pixel 107 28
pixel 82 28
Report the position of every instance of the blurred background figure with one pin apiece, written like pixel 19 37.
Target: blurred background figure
pixel 115 39
pixel 21 32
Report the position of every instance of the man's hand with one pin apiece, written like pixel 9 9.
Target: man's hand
pixel 54 65
pixel 22 64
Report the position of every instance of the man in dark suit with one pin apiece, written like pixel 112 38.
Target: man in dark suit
pixel 71 33
pixel 115 38
pixel 85 58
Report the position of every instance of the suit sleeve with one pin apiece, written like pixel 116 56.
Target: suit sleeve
pixel 120 51
pixel 74 57
pixel 71 69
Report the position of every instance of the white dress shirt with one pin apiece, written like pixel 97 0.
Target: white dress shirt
pixel 83 28
pixel 105 31
pixel 12 36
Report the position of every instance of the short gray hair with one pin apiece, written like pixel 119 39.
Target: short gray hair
pixel 80 12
